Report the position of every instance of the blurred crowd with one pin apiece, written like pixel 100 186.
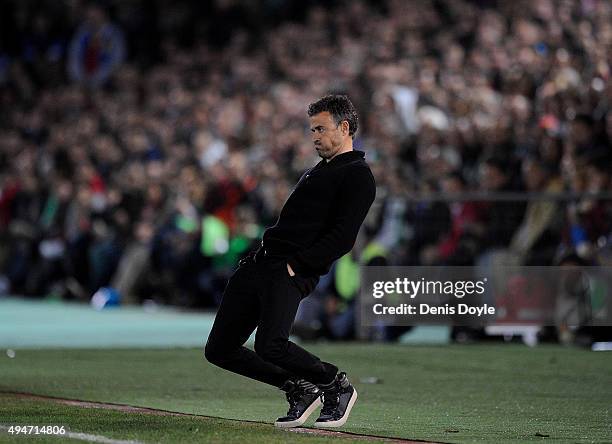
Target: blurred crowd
pixel 144 146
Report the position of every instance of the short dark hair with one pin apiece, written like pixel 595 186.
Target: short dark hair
pixel 586 119
pixel 340 107
pixel 498 163
pixel 456 175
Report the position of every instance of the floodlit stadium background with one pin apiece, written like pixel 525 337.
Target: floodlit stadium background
pixel 144 146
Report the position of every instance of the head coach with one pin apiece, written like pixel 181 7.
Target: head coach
pixel 318 224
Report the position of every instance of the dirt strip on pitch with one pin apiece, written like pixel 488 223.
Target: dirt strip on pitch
pixel 150 411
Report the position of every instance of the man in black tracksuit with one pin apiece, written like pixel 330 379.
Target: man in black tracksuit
pixel 317 225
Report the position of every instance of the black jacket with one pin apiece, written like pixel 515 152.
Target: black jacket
pixel 321 218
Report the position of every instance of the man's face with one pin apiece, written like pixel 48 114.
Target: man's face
pixel 326 135
pixel 451 185
pixel 491 178
pixel 534 175
pixel 581 133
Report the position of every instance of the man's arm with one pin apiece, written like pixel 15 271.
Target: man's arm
pixel 356 194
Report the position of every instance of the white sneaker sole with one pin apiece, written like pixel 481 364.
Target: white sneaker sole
pixel 340 422
pixel 302 419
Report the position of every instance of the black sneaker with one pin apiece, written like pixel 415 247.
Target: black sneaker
pixel 304 398
pixel 338 400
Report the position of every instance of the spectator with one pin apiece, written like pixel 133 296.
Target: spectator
pixel 536 239
pixel 590 220
pixel 462 243
pixel 96 50
pixel 502 217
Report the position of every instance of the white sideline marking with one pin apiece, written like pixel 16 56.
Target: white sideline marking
pixel 87 437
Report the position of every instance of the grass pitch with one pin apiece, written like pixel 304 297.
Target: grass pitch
pixel 139 427
pixel 481 393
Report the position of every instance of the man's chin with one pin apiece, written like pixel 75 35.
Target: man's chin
pixel 322 154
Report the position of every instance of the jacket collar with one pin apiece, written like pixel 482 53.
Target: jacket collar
pixel 342 159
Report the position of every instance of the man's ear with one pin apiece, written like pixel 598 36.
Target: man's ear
pixel 345 127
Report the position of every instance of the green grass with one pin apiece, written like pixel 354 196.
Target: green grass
pixel 500 394
pixel 139 426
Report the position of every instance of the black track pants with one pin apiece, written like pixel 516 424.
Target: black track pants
pixel 263 295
